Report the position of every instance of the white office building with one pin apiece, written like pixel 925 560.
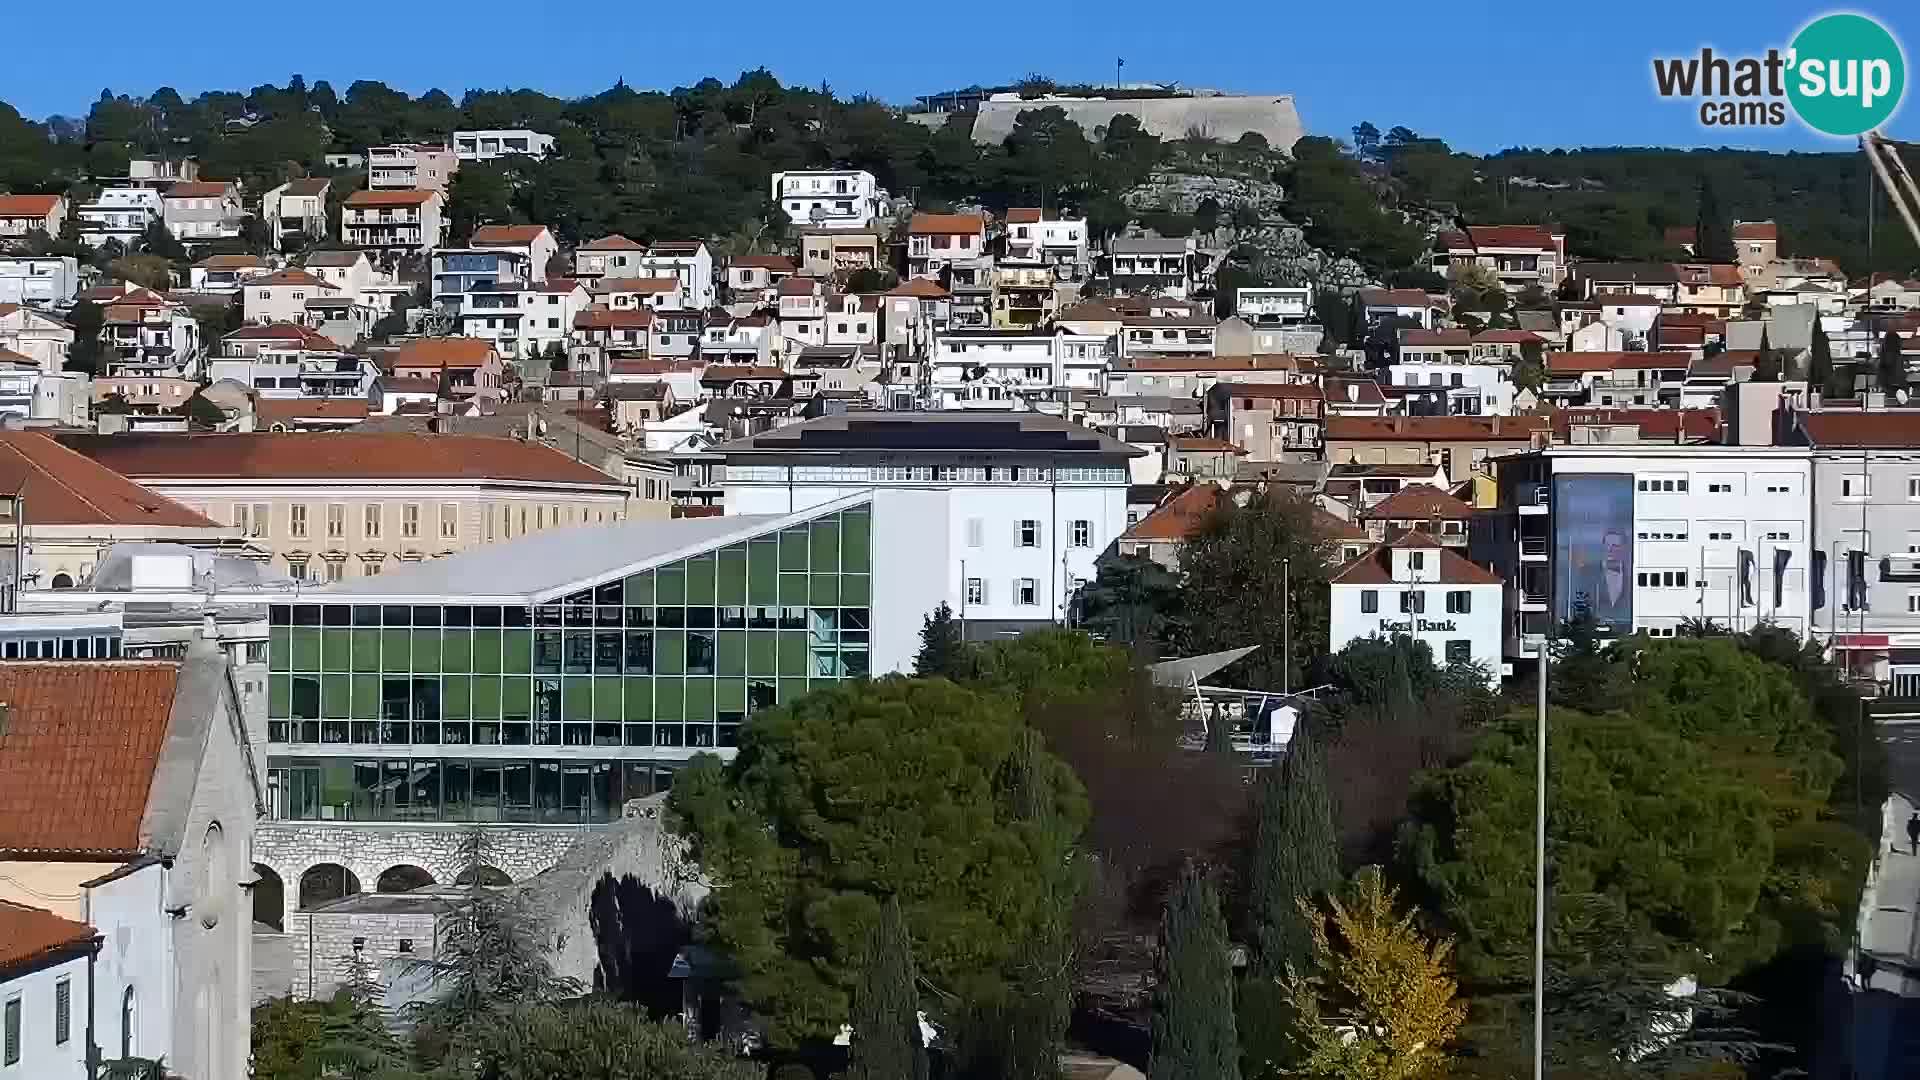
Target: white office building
pixel 1412 586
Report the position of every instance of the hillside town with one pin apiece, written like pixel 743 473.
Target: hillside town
pixel 1009 631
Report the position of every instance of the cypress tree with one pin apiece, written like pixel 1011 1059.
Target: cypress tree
pixel 1295 856
pixel 1766 365
pixel 1893 365
pixel 1713 233
pixel 1820 362
pixel 886 1006
pixel 1193 1024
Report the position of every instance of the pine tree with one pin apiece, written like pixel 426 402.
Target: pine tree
pixel 942 652
pixel 1893 365
pixel 886 1006
pixel 1713 240
pixel 1766 364
pixel 1296 855
pixel 1820 362
pixel 1194 1035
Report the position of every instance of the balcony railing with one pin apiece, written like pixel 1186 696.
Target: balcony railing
pixel 1533 545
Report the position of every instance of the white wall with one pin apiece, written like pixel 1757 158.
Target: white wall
pixel 1481 625
pixel 40 1055
pixel 136 950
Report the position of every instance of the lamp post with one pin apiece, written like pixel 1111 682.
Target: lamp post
pixel 1286 626
pixel 1540 874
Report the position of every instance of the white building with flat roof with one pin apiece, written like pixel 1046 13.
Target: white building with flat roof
pixel 501 142
pixel 829 198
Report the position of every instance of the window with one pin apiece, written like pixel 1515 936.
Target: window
pixel 12 1055
pixel 1082 533
pixel 335 570
pixel 1719 487
pixel 1856 486
pixel 976 591
pixel 1416 560
pixel 62 1011
pixel 1029 533
pixel 1913 602
pixel 1369 601
pixel 409 521
pixel 1459 601
pixel 297 521
pixel 1027 590
pixel 129 1020
pixel 371 521
pixel 336 521
pixel 975 532
pixel 1459 651
pixel 1913 487
pixel 450 520
pixel 1413 602
pixel 242 519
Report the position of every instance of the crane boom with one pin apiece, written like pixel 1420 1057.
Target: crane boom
pixel 1885 159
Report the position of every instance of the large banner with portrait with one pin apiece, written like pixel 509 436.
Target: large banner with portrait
pixel 1593 549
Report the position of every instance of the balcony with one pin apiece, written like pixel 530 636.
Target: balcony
pixel 1533 500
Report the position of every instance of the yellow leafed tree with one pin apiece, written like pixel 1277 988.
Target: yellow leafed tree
pixel 1379 1003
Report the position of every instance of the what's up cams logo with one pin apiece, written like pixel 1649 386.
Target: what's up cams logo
pixel 1843 75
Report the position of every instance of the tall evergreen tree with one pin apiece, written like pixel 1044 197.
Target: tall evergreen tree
pixel 1194 1036
pixel 1893 365
pixel 1820 374
pixel 942 652
pixel 886 1006
pixel 1766 364
pixel 1295 857
pixel 1713 232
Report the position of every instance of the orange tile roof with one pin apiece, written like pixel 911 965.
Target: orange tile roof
pixel 1418 502
pixel 1333 528
pixel 1270 390
pixel 1023 215
pixel 335 455
pixel 608 319
pixel 1417 336
pixel 637 285
pixel 453 352
pixel 1506 337
pixel 1395 298
pixel 30 936
pixel 1535 237
pixel 289 410
pixel 947 223
pixel 81 745
pixel 1756 230
pixel 1179 516
pixel 65 488
pixel 291 277
pixel 1433 428
pixel 726 372
pixel 1665 424
pixel 799 285
pixel 1375 567
pixel 615 242
pixel 34 206
pixel 1201 444
pixel 361 199
pixel 763 262
pixel 308 338
pixel 506 235
pixel 198 189
pixel 1858 428
pixel 924 288
pixel 229 262
pixel 1575 363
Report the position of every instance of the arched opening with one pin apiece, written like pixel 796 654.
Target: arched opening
pixel 62 581
pixel 269 898
pixel 129 1020
pixel 325 883
pixel 482 875
pixel 402 878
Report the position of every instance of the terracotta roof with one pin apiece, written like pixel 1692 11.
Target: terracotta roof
pixel 921 287
pixel 609 319
pixel 406 384
pixel 290 277
pixel 799 285
pixel 1577 363
pixel 1862 428
pixel 1417 336
pixel 1223 364
pixel 947 223
pixel 8 356
pixel 290 410
pixel 65 488
pixel 729 372
pixel 336 455
pixel 29 936
pixel 361 199
pixel 1353 392
pixel 451 352
pixel 1269 390
pixel 1434 428
pixel 1535 237
pixel 81 745
pixel 1375 567
pixel 615 242
pixel 1177 517
pixel 1663 424
pixel 637 285
pixel 1200 444
pixel 198 189
pixel 308 338
pixel 1680 235
pixel 1756 230
pixel 310 186
pixel 763 262
pixel 35 206
pixel 1506 337
pixel 559 285
pixel 506 235
pixel 1023 215
pixel 1395 298
pixel 1418 502
pixel 1336 529
pixel 229 262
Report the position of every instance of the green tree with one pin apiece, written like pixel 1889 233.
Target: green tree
pixel 1893 364
pixel 1295 855
pixel 943 650
pixel 85 319
pixel 1766 362
pixel 1713 230
pixel 595 1040
pixel 884 788
pixel 1135 603
pixel 1193 1023
pixel 1233 567
pixel 158 240
pixel 202 414
pixel 342 1037
pixel 1343 210
pixel 886 1005
pixel 1530 373
pixel 1820 373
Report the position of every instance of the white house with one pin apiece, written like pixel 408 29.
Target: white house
pixel 398 221
pixel 349 271
pixel 937 243
pixel 687 261
pixel 992 369
pixel 202 210
pixel 1413 586
pixel 1454 388
pixel 501 142
pixel 21 215
pixel 829 198
pixel 39 337
pixel 535 242
pixel 119 213
pixel 296 211
pixel 281 296
pixel 41 281
pixel 1412 306
pixel 224 273
pixel 610 256
pixel 44 964
pixel 1060 242
pixel 411 167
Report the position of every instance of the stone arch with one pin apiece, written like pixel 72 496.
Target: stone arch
pixel 269 897
pixel 62 580
pixel 402 877
pixel 323 883
pixel 483 875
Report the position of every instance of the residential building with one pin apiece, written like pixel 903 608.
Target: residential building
pixel 1412 307
pixel 1193 374
pixel 156 172
pixel 492 144
pixel 1151 265
pixel 1520 256
pixel 1420 346
pixel 1276 305
pixel 224 274
pixel 998 370
pixel 753 278
pixel 296 212
pixel 281 297
pixel 523 321
pixel 1452 388
pixel 202 210
pixel 1364 486
pixel 836 199
pixel 1167 332
pixel 632 293
pixel 1237 337
pixel 39 280
pixel 1505 346
pixel 1059 243
pixel 151 844
pixel 1160 533
pixel 142 333
pixel 23 215
pixel 349 271
pixel 1023 294
pixel 1756 247
pixel 837 253
pixel 150 395
pixel 1603 279
pixel 308 413
pixel 1201 458
pixel 1460 446
pixel 329 505
pixel 1006 513
pixel 44 961
pixel 610 256
pixel 1615 378
pixel 468 367
pixel 1415 586
pixel 288 360
pixel 1714 289
pixel 458 272
pixel 600 334
pixel 688 262
pixel 1271 421
pixel 30 393
pixel 938 244
pixel 399 221
pixel 35 335
pixel 535 243
pixel 1419 508
pixel 119 213
pixel 411 167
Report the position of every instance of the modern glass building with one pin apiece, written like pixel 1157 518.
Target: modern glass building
pixel 551 678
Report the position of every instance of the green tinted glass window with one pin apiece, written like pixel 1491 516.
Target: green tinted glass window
pixel 792 690
pixel 731 589
pixel 763 653
pixel 336 696
pixel 426 650
pixel 366 697
pixel 639 699
pixel 456 697
pixel 855 533
pixel 639 589
pixel 824 552
pixel 793 590
pixel 793 548
pixel 763 570
pixel 516 652
pixel 670 585
pixel 280 648
pixel 279 696
pixel 700 700
pixel 306 649
pixel 825 589
pixel 606 700
pixel 700 571
pixel 670 652
pixel 730 695
pixel 456 651
pixel 669 699
pixel 516 698
pixel 486 651
pixel 366 650
pixel 855 589
pixel 731 653
pixel 577 699
pixel 337 650
pixel 793 652
pixel 396 650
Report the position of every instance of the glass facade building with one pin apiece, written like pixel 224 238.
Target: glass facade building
pixel 559 709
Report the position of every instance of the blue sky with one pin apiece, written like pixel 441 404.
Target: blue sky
pixel 1483 75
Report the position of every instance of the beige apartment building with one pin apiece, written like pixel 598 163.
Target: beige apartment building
pixel 1459 444
pixel 325 506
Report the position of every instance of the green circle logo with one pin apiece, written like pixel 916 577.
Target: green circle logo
pixel 1846 74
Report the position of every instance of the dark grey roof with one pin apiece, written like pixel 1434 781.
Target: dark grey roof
pixel 1140 433
pixel 955 431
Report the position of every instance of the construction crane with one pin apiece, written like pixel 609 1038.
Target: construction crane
pixel 1884 156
